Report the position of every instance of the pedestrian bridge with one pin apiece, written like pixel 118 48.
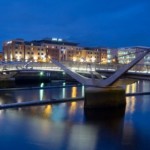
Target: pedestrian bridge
pixel 74 66
pixel 101 93
pixel 100 82
pixel 101 97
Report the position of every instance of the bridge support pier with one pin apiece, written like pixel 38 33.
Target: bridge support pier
pixel 104 98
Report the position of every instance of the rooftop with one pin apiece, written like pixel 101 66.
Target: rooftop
pixel 57 41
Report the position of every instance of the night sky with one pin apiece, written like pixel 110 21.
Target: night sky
pixel 107 23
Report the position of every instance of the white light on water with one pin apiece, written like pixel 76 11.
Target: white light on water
pixel 42 84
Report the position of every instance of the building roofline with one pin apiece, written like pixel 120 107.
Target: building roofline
pixel 142 47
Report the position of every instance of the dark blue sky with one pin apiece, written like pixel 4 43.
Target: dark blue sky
pixel 111 23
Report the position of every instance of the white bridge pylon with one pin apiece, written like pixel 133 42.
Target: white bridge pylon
pixel 101 82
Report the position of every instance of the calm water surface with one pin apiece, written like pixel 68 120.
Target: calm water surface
pixel 67 127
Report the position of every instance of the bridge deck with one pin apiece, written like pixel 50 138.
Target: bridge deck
pixel 99 82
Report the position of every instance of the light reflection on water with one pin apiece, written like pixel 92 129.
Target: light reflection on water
pixel 70 92
pixel 139 86
pixel 130 104
pixel 73 108
pixel 74 92
pixel 132 88
pixel 41 92
pixel 64 91
pixel 64 126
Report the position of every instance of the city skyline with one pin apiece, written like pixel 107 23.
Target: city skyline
pixel 90 23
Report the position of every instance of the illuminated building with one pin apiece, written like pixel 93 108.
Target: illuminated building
pixel 67 50
pixel 38 50
pixel 52 53
pixel 126 55
pixel 55 48
pixel 34 52
pixel 51 48
pixel 112 54
pixel 19 50
pixel 1 56
pixel 14 50
pixel 94 55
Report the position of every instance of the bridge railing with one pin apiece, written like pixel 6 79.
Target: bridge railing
pixel 137 68
pixel 78 66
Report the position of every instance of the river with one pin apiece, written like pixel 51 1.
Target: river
pixel 65 126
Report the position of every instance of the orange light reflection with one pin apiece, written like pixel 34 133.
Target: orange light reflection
pixel 73 108
pixel 74 92
pixel 48 111
pixel 130 104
